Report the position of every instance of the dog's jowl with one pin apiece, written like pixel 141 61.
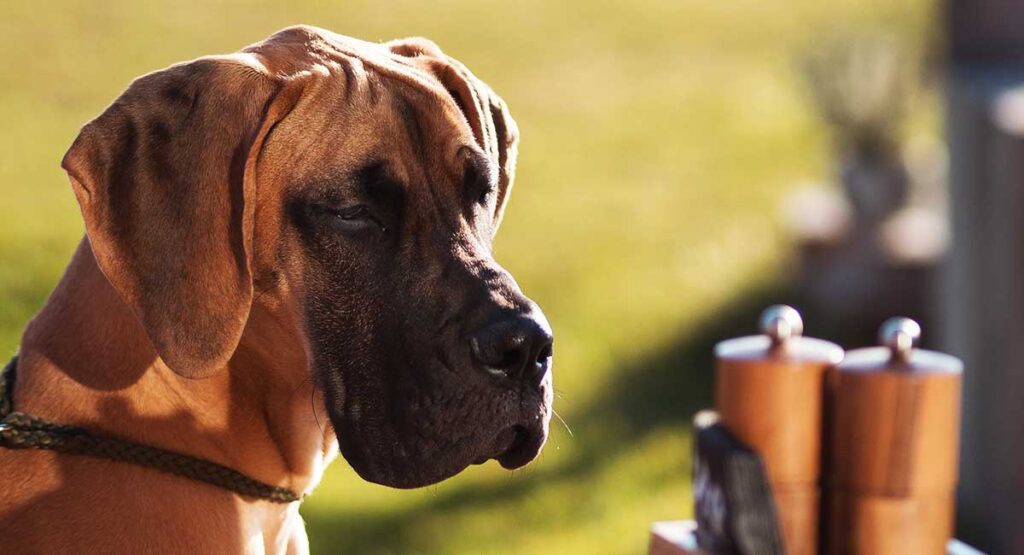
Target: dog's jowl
pixel 287 251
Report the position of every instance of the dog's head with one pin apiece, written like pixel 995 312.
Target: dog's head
pixel 359 186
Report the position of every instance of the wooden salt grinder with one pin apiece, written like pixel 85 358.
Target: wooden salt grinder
pixel 769 392
pixel 894 445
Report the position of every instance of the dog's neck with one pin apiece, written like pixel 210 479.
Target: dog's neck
pixel 86 360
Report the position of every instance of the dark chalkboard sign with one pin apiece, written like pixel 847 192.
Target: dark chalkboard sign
pixel 734 507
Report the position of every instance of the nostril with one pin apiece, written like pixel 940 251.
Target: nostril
pixel 541 364
pixel 512 358
pixel 516 348
pixel 501 353
pixel 545 353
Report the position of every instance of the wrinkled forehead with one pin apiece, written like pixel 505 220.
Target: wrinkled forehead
pixel 352 114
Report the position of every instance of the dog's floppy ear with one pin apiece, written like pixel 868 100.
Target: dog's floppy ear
pixel 495 130
pixel 165 180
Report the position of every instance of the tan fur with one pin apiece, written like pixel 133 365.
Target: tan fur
pixel 88 358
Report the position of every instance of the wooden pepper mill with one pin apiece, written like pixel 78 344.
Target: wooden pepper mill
pixel 894 444
pixel 769 392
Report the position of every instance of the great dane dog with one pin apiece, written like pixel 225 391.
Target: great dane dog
pixel 287 254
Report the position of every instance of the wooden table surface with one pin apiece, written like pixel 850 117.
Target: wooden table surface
pixel 677 537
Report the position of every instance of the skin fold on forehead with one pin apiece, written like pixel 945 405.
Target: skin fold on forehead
pixel 368 68
pixel 417 70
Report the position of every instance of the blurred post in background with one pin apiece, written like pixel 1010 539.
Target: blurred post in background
pixel 984 291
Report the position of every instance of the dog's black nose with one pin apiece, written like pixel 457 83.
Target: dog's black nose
pixel 516 347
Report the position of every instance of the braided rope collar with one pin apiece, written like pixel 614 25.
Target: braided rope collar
pixel 22 431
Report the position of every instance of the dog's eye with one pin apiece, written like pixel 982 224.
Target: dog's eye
pixel 351 213
pixel 350 218
pixel 477 179
pixel 485 195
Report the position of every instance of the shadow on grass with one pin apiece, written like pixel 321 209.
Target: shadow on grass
pixel 661 390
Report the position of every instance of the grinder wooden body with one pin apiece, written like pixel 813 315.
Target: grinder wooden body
pixel 769 393
pixel 893 453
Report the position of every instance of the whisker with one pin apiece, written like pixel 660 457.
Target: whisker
pixel 562 420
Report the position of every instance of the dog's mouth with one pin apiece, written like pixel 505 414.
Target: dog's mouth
pixel 515 447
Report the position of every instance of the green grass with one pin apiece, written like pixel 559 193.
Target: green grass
pixel 658 138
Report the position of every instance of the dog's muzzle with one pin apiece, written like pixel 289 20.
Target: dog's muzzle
pixel 515 350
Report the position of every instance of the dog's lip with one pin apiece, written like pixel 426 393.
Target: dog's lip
pixel 506 440
pixel 524 447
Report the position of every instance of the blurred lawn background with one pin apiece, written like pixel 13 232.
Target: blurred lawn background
pixel 658 139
